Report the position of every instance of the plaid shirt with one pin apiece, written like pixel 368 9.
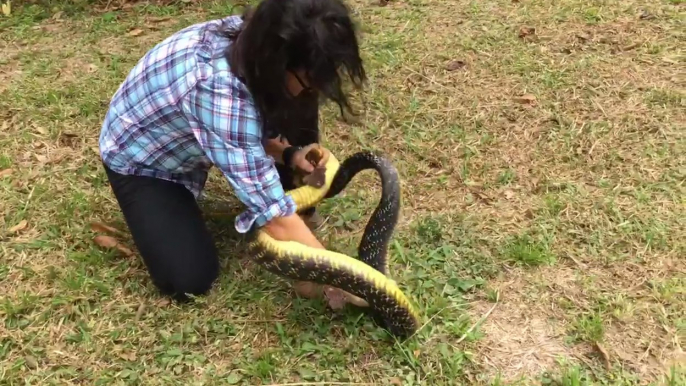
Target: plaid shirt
pixel 180 111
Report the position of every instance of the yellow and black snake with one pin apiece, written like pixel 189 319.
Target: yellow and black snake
pixel 366 276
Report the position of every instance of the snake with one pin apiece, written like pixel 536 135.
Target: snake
pixel 367 275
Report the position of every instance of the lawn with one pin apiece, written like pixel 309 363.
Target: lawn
pixel 542 150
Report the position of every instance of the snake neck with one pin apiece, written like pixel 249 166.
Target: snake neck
pixel 373 247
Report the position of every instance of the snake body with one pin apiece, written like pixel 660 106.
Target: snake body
pixel 366 276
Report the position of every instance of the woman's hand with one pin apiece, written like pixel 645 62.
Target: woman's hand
pixel 310 157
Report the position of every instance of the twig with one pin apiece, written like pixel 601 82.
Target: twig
pixel 605 355
pixel 578 263
pixel 483 318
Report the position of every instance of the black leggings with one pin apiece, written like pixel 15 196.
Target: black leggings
pixel 167 225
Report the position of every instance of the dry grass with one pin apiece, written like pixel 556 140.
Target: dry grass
pixel 541 146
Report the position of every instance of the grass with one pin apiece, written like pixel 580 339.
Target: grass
pixel 532 229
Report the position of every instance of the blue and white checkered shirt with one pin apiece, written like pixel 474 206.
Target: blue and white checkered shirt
pixel 180 111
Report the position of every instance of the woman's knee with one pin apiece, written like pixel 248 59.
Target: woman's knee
pixel 193 280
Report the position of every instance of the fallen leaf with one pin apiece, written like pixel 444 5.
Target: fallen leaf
pixel 126 251
pixel 128 356
pixel 480 195
pixel 582 37
pixel 164 302
pixel 645 15
pixel 526 31
pixel 40 130
pixel 19 227
pixel 509 194
pixel 100 227
pixel 396 381
pixel 6 8
pixel 158 19
pixel 67 139
pixel 605 355
pixel 455 65
pixel 106 241
pixel 31 362
pixel 5 173
pixel 135 32
pixel 41 158
pixel 139 312
pixel 526 99
pixel 631 46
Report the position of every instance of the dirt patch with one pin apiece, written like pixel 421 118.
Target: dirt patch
pixel 530 330
pixel 522 339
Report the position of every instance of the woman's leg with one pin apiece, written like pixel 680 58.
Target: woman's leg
pixel 170 233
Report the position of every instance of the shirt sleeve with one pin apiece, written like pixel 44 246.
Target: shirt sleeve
pixel 225 123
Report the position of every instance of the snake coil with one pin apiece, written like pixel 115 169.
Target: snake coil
pixel 366 276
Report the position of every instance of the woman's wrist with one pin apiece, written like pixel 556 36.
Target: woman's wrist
pixel 274 147
pixel 288 153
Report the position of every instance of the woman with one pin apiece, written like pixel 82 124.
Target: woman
pixel 221 93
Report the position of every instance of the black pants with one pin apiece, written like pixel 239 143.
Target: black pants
pixel 167 225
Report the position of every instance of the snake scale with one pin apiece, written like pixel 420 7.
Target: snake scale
pixel 365 276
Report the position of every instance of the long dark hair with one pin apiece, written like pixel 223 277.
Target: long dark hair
pixel 280 36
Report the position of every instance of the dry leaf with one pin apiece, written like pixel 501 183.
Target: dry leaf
pixel 455 65
pixel 135 32
pixel 605 355
pixel 631 46
pixel 396 381
pixel 126 251
pixel 140 311
pixel 164 302
pixel 68 139
pixel 526 31
pixel 582 37
pixel 509 194
pixel 5 173
pixel 645 15
pixel 19 227
pixel 40 130
pixel 6 8
pixel 526 99
pixel 128 356
pixel 106 241
pixel 31 362
pixel 100 227
pixel 157 19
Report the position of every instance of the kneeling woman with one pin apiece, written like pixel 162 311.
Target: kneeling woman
pixel 221 93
